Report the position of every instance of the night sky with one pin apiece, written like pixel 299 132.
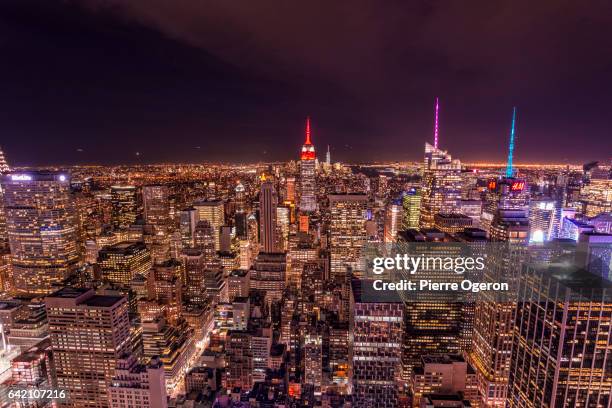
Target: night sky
pixel 193 80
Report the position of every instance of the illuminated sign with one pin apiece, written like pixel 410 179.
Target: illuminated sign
pixel 492 185
pixel 21 177
pixel 517 186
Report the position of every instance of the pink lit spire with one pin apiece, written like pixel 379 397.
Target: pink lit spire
pixel 436 126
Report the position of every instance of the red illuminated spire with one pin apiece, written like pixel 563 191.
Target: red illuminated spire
pixel 308 150
pixel 308 142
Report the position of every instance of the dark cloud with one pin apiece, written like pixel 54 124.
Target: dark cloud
pixel 181 74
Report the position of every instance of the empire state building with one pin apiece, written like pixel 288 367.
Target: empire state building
pixel 308 201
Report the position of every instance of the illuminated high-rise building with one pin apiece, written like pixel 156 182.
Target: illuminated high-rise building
pixel 378 330
pixel 156 204
pixel 302 249
pixel 238 284
pixel 441 185
pixel 393 221
pixel 89 334
pixel 283 220
pixel 435 321
pixel 561 355
pixel 328 157
pixel 510 226
pixel 188 220
pixel 596 196
pixel 411 203
pixel 121 262
pixel 3 232
pixel 240 197
pixel 268 202
pixel 195 274
pixel 595 253
pixel 172 344
pixel 269 274
pixel 41 224
pixel 544 220
pixel 212 211
pixel 313 357
pixel 491 349
pixel 4 167
pixel 239 357
pixel 290 189
pixel 124 206
pixel 505 193
pixel 348 215
pixel 240 216
pixel 308 200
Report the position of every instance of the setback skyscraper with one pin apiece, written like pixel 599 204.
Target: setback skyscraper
pixel 308 201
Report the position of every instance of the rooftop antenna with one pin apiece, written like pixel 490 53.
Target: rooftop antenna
pixel 509 168
pixel 436 125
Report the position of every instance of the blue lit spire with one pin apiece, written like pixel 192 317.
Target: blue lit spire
pixel 509 168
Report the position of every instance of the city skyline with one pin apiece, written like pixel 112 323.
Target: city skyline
pixel 400 204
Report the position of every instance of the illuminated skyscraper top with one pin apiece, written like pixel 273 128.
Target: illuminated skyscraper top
pixel 4 167
pixel 509 168
pixel 436 129
pixel 308 150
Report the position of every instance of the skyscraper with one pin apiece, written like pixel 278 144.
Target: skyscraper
pixel 393 220
pixel 441 185
pixel 240 217
pixel 212 211
pixel 188 219
pixel 290 189
pixel 4 167
pixel 42 229
pixel 505 193
pixel 156 206
pixel 377 329
pixel 561 355
pixel 347 231
pixel 124 206
pixel 544 220
pixel 328 157
pixel 493 325
pixel 268 202
pixel 308 200
pixel 89 333
pixel 411 203
pixel 441 182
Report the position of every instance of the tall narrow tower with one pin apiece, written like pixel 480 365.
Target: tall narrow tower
pixel 328 156
pixel 308 201
pixel 509 168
